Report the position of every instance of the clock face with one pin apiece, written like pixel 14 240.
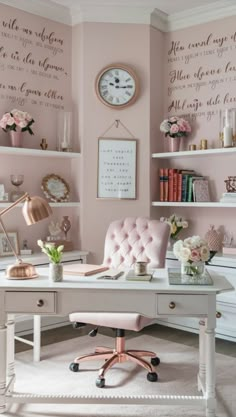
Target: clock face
pixel 116 86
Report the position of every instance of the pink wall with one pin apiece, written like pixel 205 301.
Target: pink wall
pixel 103 44
pixel 200 71
pixel 27 41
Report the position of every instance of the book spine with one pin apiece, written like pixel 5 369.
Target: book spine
pixel 179 187
pixel 175 186
pixel 190 188
pixel 184 187
pixel 166 184
pixel 171 185
pixel 161 180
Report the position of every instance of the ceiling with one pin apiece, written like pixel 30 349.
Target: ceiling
pixel 166 6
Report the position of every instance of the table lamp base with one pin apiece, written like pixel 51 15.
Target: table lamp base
pixel 21 270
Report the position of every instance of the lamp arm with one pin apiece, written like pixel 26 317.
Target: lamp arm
pixel 22 198
pixel 9 242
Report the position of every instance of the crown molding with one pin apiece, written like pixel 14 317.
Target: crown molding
pixel 202 14
pixel 118 11
pixel 43 8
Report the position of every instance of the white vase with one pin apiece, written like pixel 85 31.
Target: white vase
pixel 194 269
pixel 55 272
pixel 16 139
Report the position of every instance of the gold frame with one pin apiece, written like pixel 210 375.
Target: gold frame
pixel 133 75
pixel 135 169
pixel 48 193
pixel 11 235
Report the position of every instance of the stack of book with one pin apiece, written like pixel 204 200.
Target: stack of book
pixel 182 185
pixel 228 198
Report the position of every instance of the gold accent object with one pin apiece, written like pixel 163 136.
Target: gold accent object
pixel 192 147
pixel 203 144
pixel 55 188
pixel 43 144
pixel 172 305
pixel 34 210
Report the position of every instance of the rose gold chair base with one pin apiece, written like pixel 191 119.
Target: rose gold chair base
pixel 117 355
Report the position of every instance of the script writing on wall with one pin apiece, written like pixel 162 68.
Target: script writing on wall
pixel 33 67
pixel 117 168
pixel 201 73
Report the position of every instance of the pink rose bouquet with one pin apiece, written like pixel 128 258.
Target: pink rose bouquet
pixel 175 127
pixel 17 120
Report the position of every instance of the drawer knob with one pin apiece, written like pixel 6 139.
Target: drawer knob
pixel 218 315
pixel 172 305
pixel 40 303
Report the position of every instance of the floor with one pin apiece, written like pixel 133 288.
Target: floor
pixel 186 338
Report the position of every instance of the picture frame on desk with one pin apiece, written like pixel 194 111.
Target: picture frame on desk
pixel 5 249
pixel 117 166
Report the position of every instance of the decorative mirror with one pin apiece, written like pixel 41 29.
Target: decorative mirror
pixel 55 188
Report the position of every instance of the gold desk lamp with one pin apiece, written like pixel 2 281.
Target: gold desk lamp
pixel 34 209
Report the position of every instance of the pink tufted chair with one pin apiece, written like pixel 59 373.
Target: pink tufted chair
pixel 127 241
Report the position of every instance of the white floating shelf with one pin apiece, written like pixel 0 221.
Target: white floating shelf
pixel 193 154
pixel 66 204
pixel 7 150
pixel 192 204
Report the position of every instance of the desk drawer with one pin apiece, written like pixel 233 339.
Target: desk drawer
pixel 30 302
pixel 182 304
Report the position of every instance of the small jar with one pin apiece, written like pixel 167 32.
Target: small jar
pixel 140 268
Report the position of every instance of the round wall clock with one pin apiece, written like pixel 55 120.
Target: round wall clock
pixel 117 86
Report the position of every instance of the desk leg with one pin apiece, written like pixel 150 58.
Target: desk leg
pixel 11 348
pixel 3 365
pixel 202 354
pixel 37 337
pixel 210 371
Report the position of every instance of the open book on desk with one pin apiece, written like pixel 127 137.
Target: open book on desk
pixel 84 269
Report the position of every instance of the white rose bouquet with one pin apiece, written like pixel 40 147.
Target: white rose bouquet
pixel 175 127
pixel 190 250
pixel 176 224
pixel 17 120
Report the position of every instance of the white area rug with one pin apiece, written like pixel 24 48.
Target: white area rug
pixel 177 375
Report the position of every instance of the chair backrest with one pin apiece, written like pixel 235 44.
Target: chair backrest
pixel 136 239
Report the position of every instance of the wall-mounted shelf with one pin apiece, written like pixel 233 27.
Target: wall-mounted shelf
pixel 7 150
pixel 215 204
pixel 193 154
pixel 63 204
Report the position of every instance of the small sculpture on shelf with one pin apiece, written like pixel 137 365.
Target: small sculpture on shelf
pixel 231 184
pixel 43 144
pixel 229 247
pixel 65 225
pixel 54 231
pixel 25 249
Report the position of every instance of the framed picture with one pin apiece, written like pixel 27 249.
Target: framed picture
pixel 55 188
pixel 5 248
pixel 117 168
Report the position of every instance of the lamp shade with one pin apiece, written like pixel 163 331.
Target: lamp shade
pixel 35 209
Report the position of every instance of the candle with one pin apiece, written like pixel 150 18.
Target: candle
pixel 228 131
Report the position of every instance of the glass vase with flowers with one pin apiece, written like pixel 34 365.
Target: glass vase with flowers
pixel 174 129
pixel 193 253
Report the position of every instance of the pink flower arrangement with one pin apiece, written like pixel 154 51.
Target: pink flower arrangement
pixel 17 120
pixel 175 127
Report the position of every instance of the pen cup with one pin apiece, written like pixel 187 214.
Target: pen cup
pixel 140 268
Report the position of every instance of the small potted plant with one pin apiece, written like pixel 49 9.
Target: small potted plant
pixel 176 224
pixel 16 122
pixel 54 254
pixel 175 128
pixel 192 252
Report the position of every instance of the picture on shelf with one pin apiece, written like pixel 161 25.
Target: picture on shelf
pixel 5 248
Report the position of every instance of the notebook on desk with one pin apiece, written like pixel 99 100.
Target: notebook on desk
pixel 84 269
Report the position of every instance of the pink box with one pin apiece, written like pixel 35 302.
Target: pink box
pixel 231 250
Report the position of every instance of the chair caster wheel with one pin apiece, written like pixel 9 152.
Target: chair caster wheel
pixel 152 376
pixel 100 382
pixel 155 361
pixel 74 367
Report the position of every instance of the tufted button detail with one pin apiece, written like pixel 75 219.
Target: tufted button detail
pixel 122 259
pixel 150 239
pixel 113 236
pixel 117 247
pixel 138 237
pixel 126 235
pixel 142 249
pixel 109 260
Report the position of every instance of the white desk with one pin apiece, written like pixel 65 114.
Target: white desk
pixel 152 299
